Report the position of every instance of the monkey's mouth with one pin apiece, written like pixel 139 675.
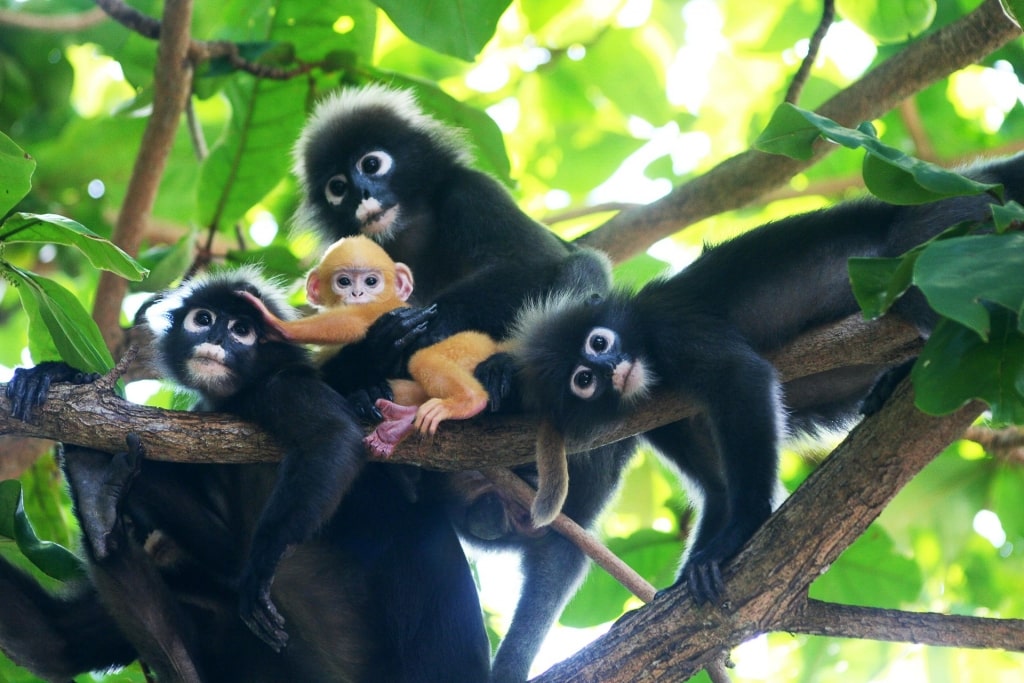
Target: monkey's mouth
pixel 630 379
pixel 374 219
pixel 207 364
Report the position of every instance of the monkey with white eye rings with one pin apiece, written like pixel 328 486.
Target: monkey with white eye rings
pixel 704 333
pixel 373 587
pixel 371 162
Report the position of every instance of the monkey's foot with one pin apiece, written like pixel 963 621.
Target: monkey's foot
pixel 104 528
pixel 436 410
pixel 397 424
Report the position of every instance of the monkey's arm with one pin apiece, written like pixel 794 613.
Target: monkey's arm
pixel 323 454
pixel 344 324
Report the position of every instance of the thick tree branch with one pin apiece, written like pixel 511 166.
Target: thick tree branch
pixel 172 87
pixel 846 621
pixel 745 177
pixel 766 584
pixel 92 416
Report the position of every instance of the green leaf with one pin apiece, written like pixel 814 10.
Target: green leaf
pixel 870 573
pixel 16 167
pixel 788 133
pixel 52 558
pixel 1007 215
pixel 66 326
pixel 889 173
pixel 460 29
pixel 53 229
pixel 889 21
pixel 246 164
pixel 956 366
pixel 167 263
pixel 878 282
pixel 1015 9
pixel 959 275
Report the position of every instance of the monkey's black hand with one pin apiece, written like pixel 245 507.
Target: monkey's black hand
pixel 497 375
pixel 364 401
pixel 30 386
pixel 259 613
pixel 394 337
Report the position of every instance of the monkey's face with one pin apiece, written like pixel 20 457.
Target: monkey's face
pixel 367 169
pixel 358 285
pixel 581 364
pixel 212 345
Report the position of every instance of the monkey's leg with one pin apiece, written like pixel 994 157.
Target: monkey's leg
pixel 57 638
pixel 445 371
pixel 123 574
pixel 552 566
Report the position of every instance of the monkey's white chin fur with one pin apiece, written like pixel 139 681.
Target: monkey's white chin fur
pixel 373 220
pixel 207 371
pixel 631 380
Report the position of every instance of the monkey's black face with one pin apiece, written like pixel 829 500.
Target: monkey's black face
pixel 215 348
pixel 581 366
pixel 369 174
pixel 210 339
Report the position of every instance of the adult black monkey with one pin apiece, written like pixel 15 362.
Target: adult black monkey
pixel 375 589
pixel 704 332
pixel 371 162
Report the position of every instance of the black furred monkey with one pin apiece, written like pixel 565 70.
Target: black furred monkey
pixel 371 162
pixel 374 587
pixel 704 332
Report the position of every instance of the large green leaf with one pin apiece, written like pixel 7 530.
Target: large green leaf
pixel 52 558
pixel 889 21
pixel 253 154
pixel 460 28
pixel 58 320
pixel 959 275
pixel 16 167
pixel 889 173
pixel 53 229
pixel 956 365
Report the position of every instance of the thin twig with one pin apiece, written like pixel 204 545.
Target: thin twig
pixel 827 16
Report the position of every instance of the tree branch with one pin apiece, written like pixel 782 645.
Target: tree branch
pixel 743 178
pixel 92 416
pixel 950 630
pixel 172 87
pixel 766 584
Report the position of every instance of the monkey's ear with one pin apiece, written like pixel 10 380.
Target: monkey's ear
pixel 403 281
pixel 552 475
pixel 313 288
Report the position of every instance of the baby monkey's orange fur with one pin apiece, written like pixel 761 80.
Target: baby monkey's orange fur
pixel 355 283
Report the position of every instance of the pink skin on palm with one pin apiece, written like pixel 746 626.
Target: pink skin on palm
pixel 397 424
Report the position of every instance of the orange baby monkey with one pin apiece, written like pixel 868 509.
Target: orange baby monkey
pixel 356 282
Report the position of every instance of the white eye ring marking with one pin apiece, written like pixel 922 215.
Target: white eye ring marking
pixel 335 189
pixel 199 319
pixel 600 340
pixel 583 382
pixel 377 163
pixel 243 331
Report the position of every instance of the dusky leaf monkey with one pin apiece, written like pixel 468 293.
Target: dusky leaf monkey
pixel 373 586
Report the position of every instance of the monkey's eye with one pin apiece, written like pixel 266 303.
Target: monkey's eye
pixel 199 319
pixel 343 281
pixel 600 340
pixel 375 163
pixel 335 189
pixel 583 383
pixel 372 280
pixel 243 331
